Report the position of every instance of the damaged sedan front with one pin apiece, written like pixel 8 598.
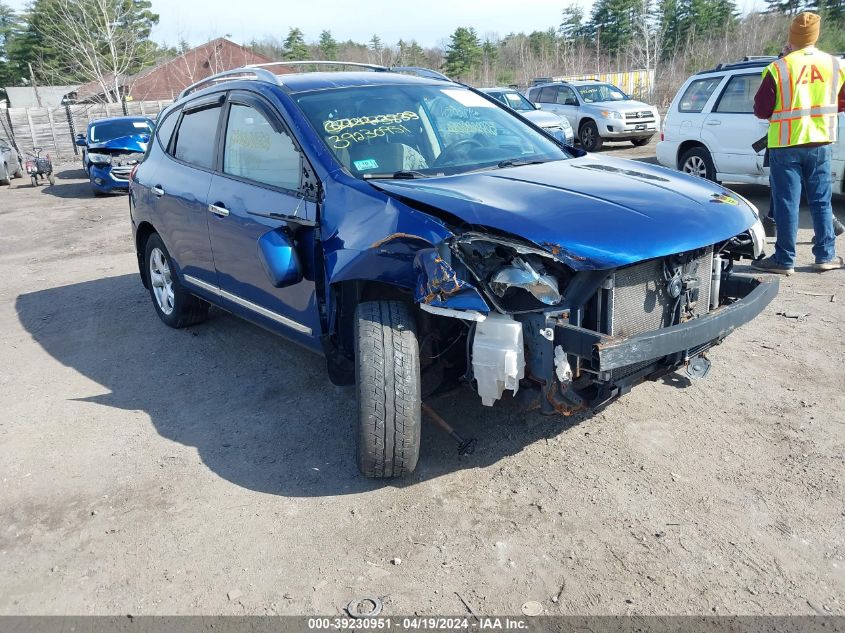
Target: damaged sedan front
pixel 111 149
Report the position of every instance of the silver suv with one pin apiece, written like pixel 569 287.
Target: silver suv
pixel 598 111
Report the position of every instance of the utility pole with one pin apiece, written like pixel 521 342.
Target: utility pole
pixel 34 85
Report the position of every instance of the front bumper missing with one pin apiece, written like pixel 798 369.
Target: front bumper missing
pixel 606 353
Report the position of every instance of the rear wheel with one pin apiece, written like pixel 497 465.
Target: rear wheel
pixel 589 137
pixel 387 380
pixel 698 162
pixel 639 142
pixel 175 306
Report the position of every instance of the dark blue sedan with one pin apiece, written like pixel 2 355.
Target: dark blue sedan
pixel 416 231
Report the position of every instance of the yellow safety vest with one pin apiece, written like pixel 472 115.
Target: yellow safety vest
pixel 808 83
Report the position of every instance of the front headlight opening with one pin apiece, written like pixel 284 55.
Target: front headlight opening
pixel 521 274
pixel 515 277
pixel 99 159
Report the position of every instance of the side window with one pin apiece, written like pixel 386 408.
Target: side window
pixel 738 95
pixel 164 128
pixel 547 95
pixel 195 137
pixel 566 96
pixel 697 94
pixel 256 151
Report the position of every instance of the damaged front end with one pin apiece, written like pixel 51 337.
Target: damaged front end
pixel 574 339
pixel 110 164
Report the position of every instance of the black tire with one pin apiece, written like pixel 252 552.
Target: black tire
pixel 589 137
pixel 51 178
pixel 698 162
pixel 187 309
pixel 5 177
pixel 387 381
pixel 33 181
pixel 640 142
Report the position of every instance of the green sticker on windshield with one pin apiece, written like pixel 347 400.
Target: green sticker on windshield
pixel 369 163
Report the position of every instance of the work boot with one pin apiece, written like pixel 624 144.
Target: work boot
pixel 831 264
pixel 769 265
pixel 769 226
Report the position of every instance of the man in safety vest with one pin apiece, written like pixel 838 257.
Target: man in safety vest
pixel 800 95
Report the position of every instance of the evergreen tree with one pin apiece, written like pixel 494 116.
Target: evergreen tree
pixel 11 26
pixel 612 24
pixel 463 54
pixel 295 46
pixel 328 46
pixel 571 28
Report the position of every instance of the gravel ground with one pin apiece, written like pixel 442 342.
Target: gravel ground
pixel 209 471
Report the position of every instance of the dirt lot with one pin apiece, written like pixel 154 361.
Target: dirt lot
pixel 152 471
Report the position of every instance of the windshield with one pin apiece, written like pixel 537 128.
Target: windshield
pixel 427 130
pixel 108 130
pixel 594 93
pixel 515 100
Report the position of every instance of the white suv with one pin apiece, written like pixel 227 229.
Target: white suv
pixel 710 127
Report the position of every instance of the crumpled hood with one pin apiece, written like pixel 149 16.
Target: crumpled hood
pixel 591 213
pixel 130 143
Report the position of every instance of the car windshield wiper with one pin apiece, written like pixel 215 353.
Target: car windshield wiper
pixel 516 162
pixel 397 175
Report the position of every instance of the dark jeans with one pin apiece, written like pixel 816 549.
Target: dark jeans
pixel 790 168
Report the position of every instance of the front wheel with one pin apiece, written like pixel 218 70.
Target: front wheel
pixel 5 178
pixel 698 162
pixel 33 180
pixel 175 306
pixel 589 137
pixel 387 381
pixel 51 178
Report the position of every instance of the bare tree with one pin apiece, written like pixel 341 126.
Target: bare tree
pixel 100 41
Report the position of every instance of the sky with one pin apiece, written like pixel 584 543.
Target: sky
pixel 430 22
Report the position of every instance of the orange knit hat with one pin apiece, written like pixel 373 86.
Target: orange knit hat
pixel 804 30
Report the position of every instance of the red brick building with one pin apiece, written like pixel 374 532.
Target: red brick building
pixel 165 81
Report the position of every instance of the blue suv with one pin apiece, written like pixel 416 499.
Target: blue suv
pixel 415 231
pixel 111 149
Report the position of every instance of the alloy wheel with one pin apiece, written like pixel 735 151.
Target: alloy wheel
pixel 161 280
pixel 695 165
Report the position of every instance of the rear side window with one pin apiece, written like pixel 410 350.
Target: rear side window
pixel 164 128
pixel 547 95
pixel 256 151
pixel 697 94
pixel 738 95
pixel 195 137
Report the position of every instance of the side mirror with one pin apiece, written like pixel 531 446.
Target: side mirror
pixel 80 140
pixel 279 258
pixel 538 106
pixel 571 102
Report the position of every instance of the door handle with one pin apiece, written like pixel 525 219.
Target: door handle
pixel 713 122
pixel 157 191
pixel 218 210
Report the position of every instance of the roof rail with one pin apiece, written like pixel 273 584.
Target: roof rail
pixel 427 73
pixel 750 61
pixel 261 72
pixel 320 62
pixel 246 73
